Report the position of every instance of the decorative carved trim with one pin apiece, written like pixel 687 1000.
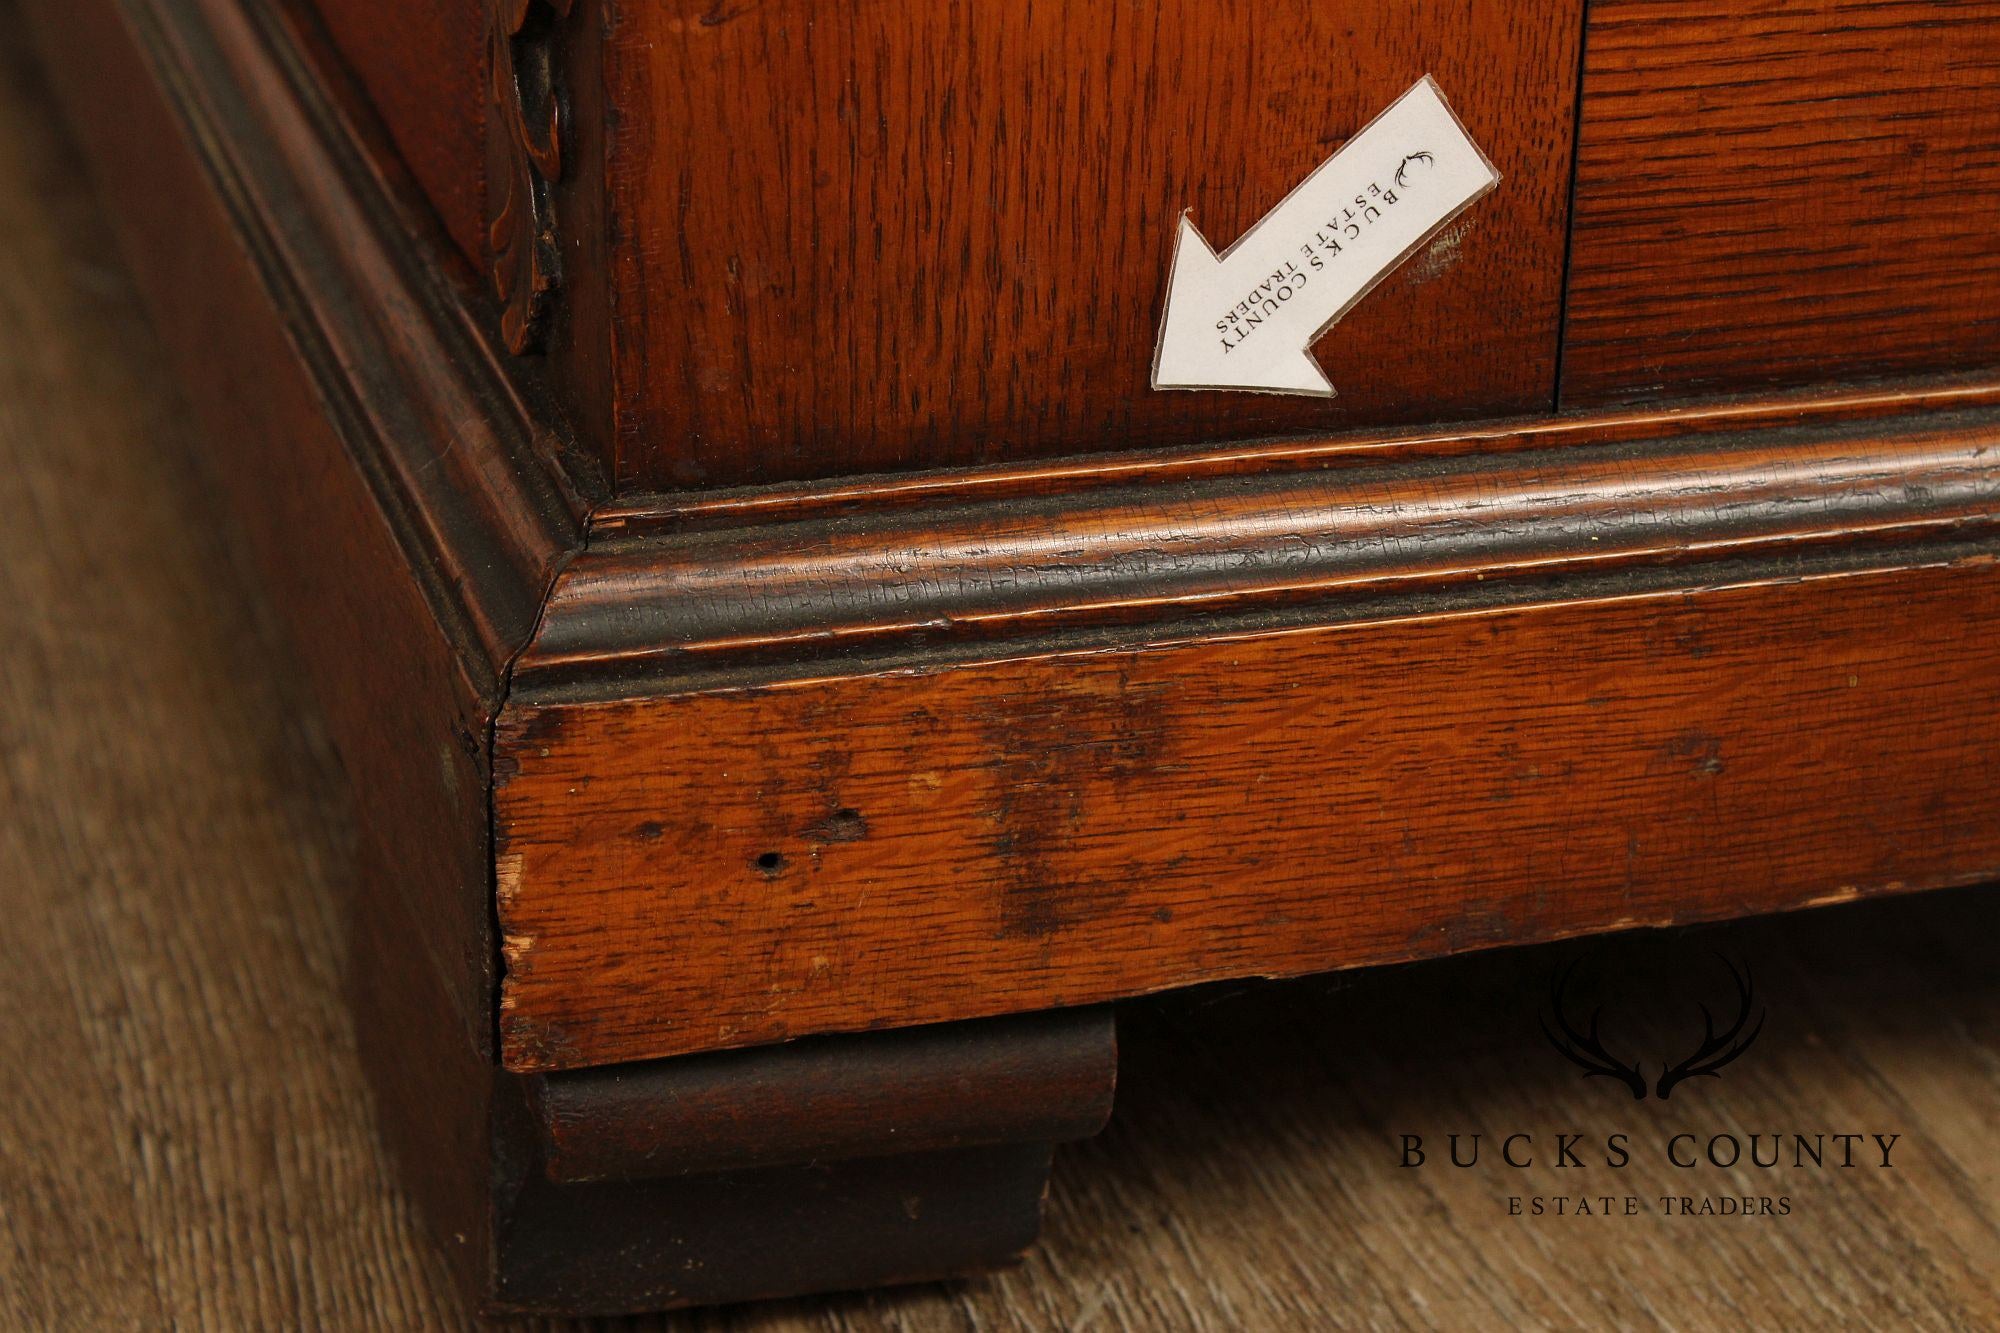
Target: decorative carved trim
pixel 530 118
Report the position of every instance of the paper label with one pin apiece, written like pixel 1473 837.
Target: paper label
pixel 1247 319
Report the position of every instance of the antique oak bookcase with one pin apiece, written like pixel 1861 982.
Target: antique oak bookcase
pixel 794 669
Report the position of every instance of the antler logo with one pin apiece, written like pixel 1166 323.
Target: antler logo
pixel 1585 1048
pixel 1403 167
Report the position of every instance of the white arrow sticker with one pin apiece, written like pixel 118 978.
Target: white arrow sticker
pixel 1247 319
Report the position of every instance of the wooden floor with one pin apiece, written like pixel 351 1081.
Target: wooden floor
pixel 184 1139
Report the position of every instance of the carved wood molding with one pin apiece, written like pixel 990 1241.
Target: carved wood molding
pixel 671 601
pixel 530 117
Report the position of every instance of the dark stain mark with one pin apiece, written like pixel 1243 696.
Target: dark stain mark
pixel 538 727
pixel 1676 639
pixel 540 1041
pixel 1699 749
pixel 530 735
pixel 650 831
pixel 1047 750
pixel 843 825
pixel 1470 928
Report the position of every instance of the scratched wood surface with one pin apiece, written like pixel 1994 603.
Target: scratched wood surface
pixel 185 1139
pixel 896 236
pixel 1782 194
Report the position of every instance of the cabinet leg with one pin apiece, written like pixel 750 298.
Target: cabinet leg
pixel 738 1235
pixel 817 1165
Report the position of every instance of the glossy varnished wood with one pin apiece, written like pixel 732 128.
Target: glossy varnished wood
pixel 753 604
pixel 617 518
pixel 890 237
pixel 1783 194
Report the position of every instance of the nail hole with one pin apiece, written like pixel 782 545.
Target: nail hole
pixel 771 862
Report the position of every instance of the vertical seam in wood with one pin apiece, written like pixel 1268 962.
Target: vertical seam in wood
pixel 1569 216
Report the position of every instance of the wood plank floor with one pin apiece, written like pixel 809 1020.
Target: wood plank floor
pixel 184 1140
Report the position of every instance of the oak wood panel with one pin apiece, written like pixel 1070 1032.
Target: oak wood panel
pixel 896 237
pixel 1783 193
pixel 749 864
pixel 424 66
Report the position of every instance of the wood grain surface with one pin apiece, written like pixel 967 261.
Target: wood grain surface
pixel 896 238
pixel 424 67
pixel 185 1140
pixel 617 519
pixel 844 853
pixel 1188 554
pixel 1782 193
pixel 186 1137
pixel 427 560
